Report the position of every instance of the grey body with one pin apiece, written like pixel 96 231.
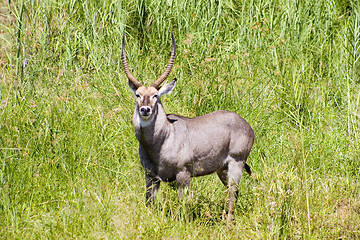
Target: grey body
pixel 177 148
pixel 192 146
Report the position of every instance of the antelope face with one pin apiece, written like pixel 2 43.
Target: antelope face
pixel 147 98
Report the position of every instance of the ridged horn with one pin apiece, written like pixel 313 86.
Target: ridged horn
pixel 126 66
pixel 162 78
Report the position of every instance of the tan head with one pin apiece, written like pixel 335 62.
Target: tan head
pixel 148 97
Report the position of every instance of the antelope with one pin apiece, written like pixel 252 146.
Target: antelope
pixel 177 148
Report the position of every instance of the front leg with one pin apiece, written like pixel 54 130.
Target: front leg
pixel 152 185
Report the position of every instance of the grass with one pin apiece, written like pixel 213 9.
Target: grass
pixel 69 166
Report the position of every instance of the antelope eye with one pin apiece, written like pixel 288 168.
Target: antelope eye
pixel 137 95
pixel 155 95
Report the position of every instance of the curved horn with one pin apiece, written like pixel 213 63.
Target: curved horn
pixel 126 66
pixel 162 78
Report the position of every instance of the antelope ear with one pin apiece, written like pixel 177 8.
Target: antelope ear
pixel 168 88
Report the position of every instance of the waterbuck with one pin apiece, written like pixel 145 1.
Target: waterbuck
pixel 176 148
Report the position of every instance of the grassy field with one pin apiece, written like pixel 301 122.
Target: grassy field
pixel 69 167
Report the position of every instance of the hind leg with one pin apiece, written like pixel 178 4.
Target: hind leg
pixel 234 174
pixel 223 175
pixel 183 180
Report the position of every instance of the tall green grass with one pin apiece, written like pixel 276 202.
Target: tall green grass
pixel 69 166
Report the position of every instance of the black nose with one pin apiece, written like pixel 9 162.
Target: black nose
pixel 145 110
